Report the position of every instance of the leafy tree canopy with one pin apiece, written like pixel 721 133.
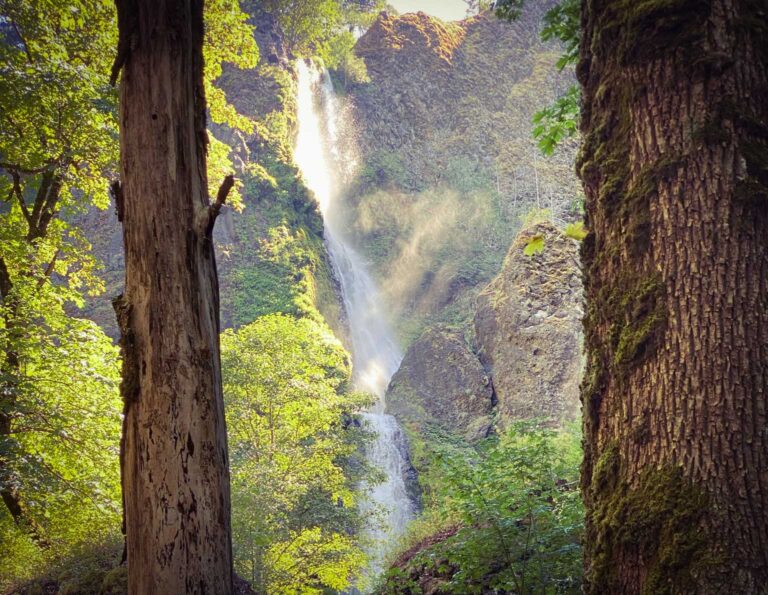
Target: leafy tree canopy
pixel 291 425
pixel 59 409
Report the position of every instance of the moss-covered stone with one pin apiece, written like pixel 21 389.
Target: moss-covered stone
pixel 440 381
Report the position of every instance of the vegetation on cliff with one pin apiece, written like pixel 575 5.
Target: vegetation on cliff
pixel 448 166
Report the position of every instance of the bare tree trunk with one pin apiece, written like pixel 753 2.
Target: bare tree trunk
pixel 675 169
pixel 174 451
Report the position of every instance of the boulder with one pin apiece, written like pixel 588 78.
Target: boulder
pixel 442 382
pixel 528 328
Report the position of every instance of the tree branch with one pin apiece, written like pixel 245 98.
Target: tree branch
pixel 20 196
pixel 45 208
pixel 48 269
pixel 5 280
pixel 211 212
pixel 13 167
pixel 126 25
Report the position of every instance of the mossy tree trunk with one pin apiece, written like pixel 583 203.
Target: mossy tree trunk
pixel 174 449
pixel 675 169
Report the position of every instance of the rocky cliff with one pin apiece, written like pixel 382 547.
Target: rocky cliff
pixel 442 382
pixel 528 328
pixel 448 166
pixel 527 358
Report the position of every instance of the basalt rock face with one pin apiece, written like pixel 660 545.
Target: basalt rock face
pixel 527 359
pixel 448 165
pixel 441 89
pixel 528 329
pixel 442 382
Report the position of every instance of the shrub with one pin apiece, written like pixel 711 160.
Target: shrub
pixel 521 516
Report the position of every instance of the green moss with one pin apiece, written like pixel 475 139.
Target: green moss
pixel 606 471
pixel 642 30
pixel 645 317
pixel 660 516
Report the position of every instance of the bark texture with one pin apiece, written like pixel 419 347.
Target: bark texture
pixel 675 169
pixel 174 450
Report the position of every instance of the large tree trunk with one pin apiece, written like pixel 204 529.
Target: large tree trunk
pixel 675 168
pixel 174 451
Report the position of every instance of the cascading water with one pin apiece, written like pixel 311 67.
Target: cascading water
pixel 375 353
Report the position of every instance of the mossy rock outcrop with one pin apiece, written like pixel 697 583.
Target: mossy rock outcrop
pixel 528 327
pixel 442 382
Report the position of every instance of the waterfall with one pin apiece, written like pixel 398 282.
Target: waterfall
pixel 375 352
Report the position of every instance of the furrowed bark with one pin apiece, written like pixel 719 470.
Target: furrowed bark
pixel 675 170
pixel 174 449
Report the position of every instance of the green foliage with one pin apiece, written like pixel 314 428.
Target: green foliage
pixel 339 56
pixel 228 38
pixel 557 122
pixel 508 9
pixel 466 175
pixel 295 455
pixel 563 23
pixel 310 26
pixel 534 246
pixel 577 231
pixel 306 23
pixel 81 569
pixel 281 279
pixel 382 169
pixel 520 517
pixel 61 457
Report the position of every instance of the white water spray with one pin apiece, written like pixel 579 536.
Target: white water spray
pixel 375 353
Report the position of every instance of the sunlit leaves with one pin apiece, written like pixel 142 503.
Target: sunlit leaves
pixel 521 515
pixel 228 39
pixel 577 231
pixel 288 414
pixel 534 246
